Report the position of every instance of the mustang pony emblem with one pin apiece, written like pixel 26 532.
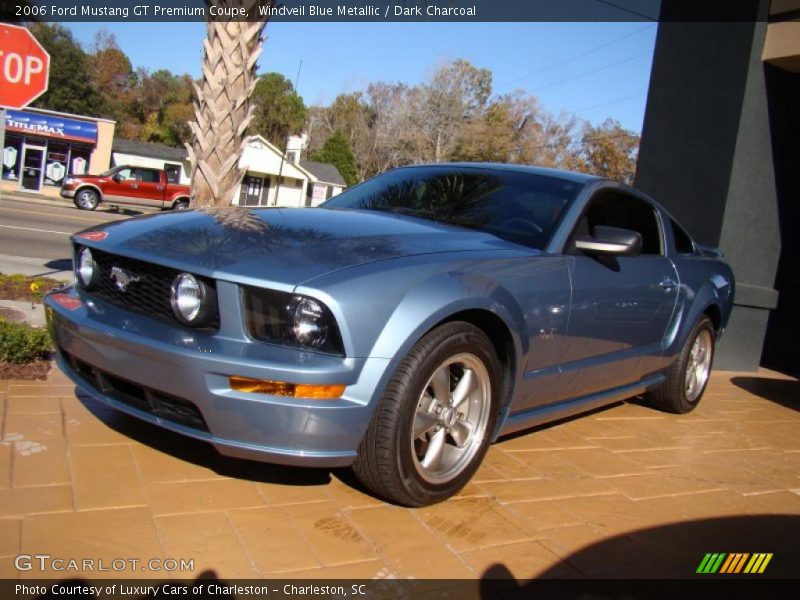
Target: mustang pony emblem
pixel 122 279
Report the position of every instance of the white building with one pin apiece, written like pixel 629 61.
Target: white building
pixel 154 156
pixel 303 182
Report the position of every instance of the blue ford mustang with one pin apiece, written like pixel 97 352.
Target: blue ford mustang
pixel 399 328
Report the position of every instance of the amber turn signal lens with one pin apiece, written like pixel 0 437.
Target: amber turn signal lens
pixel 281 388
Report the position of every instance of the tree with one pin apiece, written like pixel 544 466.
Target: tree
pixel 453 116
pixel 70 87
pixel 163 108
pixel 457 92
pixel 336 151
pixel 222 108
pixel 279 110
pixel 609 150
pixel 113 76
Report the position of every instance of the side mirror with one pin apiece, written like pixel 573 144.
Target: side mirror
pixel 611 241
pixel 116 177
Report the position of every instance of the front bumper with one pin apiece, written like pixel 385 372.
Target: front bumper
pixel 67 193
pixel 138 365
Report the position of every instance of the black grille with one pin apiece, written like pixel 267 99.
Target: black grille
pixel 138 396
pixel 150 295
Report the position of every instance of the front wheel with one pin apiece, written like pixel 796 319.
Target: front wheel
pixel 687 378
pixel 87 199
pixel 434 422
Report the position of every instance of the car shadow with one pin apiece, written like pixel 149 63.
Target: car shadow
pixel 59 264
pixel 653 563
pixel 637 564
pixel 785 392
pixel 119 210
pixel 198 452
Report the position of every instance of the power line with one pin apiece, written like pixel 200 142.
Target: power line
pixel 575 57
pixel 592 72
pixel 594 139
pixel 588 108
pixel 627 10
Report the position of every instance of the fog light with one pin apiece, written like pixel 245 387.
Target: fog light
pixel 193 300
pixel 281 388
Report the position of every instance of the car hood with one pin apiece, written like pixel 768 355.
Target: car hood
pixel 279 246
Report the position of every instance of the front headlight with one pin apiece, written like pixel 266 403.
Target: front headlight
pixel 86 269
pixel 69 181
pixel 291 320
pixel 193 300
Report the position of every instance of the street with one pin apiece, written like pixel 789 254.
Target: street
pixel 34 234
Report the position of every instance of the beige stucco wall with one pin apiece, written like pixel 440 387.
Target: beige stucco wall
pixel 782 45
pixel 100 160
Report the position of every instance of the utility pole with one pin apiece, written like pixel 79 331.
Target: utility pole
pixel 286 142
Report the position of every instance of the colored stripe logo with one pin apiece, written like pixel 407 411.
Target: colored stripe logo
pixel 731 564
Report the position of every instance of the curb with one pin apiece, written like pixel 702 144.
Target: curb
pixel 34 199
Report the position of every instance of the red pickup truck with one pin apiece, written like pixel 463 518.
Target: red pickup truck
pixel 138 186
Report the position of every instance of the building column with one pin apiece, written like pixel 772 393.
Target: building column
pixel 706 155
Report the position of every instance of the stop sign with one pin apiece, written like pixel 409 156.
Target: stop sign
pixel 24 67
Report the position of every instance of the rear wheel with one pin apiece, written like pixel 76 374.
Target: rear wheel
pixel 87 199
pixel 181 205
pixel 434 422
pixel 687 378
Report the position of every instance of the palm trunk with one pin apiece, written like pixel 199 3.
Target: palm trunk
pixel 222 108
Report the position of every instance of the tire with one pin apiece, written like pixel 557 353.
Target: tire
pixel 181 205
pixel 687 378
pixel 87 199
pixel 418 449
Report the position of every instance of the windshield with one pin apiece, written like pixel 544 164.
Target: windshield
pixel 519 207
pixel 111 171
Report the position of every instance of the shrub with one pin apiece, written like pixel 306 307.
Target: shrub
pixel 20 343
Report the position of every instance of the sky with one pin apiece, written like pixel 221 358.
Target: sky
pixel 595 70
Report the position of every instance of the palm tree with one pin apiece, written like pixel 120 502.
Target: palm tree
pixel 222 105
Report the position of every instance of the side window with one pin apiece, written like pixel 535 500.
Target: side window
pixel 150 176
pixel 620 210
pixel 125 174
pixel 173 172
pixel 683 243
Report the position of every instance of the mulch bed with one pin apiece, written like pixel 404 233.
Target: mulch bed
pixel 18 287
pixel 34 370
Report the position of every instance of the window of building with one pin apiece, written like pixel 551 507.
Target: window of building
pixel 56 163
pixel 79 160
pixel 12 157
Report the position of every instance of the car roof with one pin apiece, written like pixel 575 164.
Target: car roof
pixel 529 169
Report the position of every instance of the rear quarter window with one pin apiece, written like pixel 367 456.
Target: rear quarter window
pixel 683 242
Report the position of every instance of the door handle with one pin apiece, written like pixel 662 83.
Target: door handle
pixel 668 284
pixel 159 187
pixel 134 186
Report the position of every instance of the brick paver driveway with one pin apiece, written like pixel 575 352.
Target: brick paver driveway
pixel 623 492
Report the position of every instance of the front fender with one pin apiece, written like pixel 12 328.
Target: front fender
pixel 92 186
pixel 384 308
pixel 439 298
